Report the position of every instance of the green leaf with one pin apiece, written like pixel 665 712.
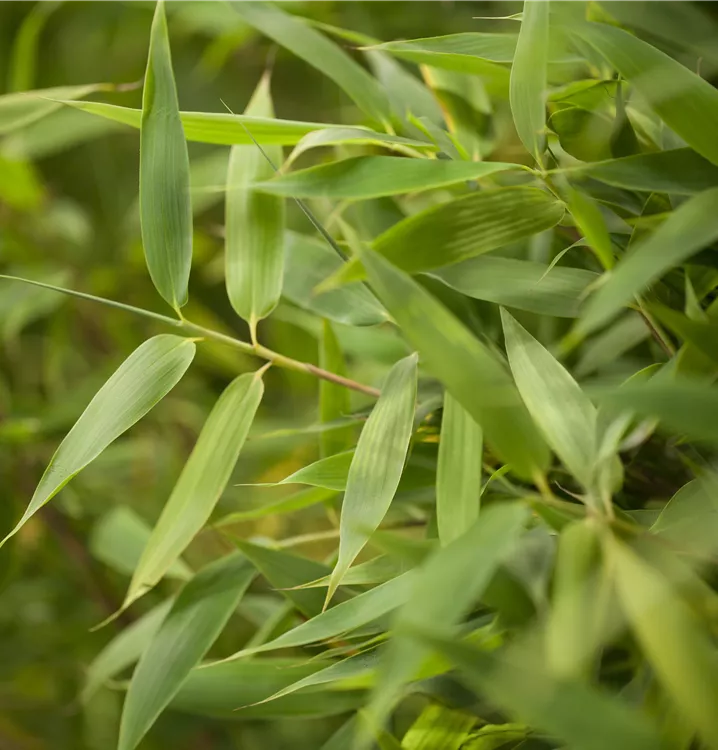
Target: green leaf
pixel 123 650
pixel 201 483
pixel 701 334
pixel 377 465
pixel 365 177
pixel 254 244
pixel 590 222
pixel 334 401
pixel 494 736
pixel 196 618
pixel 343 617
pixel 315 49
pixel 119 538
pixel 609 345
pixel 583 133
pixel 439 727
pixel 219 128
pixel 683 100
pixel 463 228
pixel 308 262
pixel 165 208
pixel 528 78
pixel 330 472
pixel 143 379
pixel 583 717
pixel 691 227
pixel 681 652
pixel 563 413
pixel 523 284
pixel 470 371
pixel 20 109
pixel 458 473
pixel 296 501
pixel 444 589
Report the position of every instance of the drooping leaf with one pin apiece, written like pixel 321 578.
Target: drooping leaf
pixel 315 49
pixel 142 380
pixel 463 228
pixel 681 652
pixel 528 78
pixel 523 284
pixel 202 481
pixel 334 402
pixel 441 594
pixel 591 223
pixel 458 473
pixel 365 177
pixel 123 650
pixel 563 413
pixel 377 465
pixel 438 726
pixel 196 618
pixel 470 372
pixel 254 241
pixel 701 334
pixel 682 99
pixel 687 230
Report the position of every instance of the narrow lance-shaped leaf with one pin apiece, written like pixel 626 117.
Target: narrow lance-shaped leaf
pixel 528 78
pixel 470 372
pixel 458 474
pixel 444 589
pixel 682 99
pixel 142 380
pixel 202 481
pixel 165 209
pixel 691 227
pixel 254 244
pixel 197 617
pixel 590 222
pixel 439 727
pixel 377 465
pixel 681 652
pixel 314 48
pixel 334 402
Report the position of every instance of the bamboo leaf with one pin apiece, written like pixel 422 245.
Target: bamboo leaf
pixel 315 49
pixel 377 465
pixel 439 727
pixel 441 594
pixel 334 402
pixel 683 100
pixel 701 334
pixel 590 221
pixel 219 128
pixel 470 372
pixel 201 483
pixel 143 379
pixel 165 208
pixel 581 716
pixel 681 652
pixel 254 244
pixel 528 78
pixel 461 229
pixel 196 618
pixel 365 177
pixel 563 413
pixel 691 227
pixel 523 284
pixel 458 473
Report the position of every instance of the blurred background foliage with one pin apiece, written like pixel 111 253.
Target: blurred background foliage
pixel 69 216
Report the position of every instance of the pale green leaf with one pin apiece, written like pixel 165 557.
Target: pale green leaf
pixel 334 401
pixel 470 371
pixel 202 481
pixel 592 225
pixel 458 473
pixel 165 208
pixel 254 242
pixel 377 465
pixel 523 284
pixel 682 99
pixel 528 78
pixel 314 48
pixel 563 413
pixel 605 348
pixel 690 228
pixel 196 618
pixel 439 727
pixel 681 652
pixel 296 501
pixel 364 177
pixel 145 377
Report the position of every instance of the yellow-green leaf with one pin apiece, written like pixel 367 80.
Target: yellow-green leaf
pixel 334 402
pixel 142 380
